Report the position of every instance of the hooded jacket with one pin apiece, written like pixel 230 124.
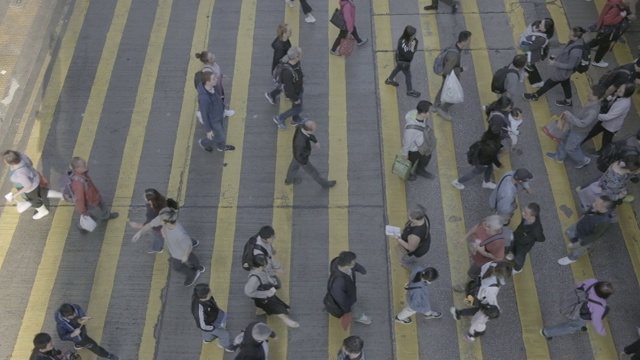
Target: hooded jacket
pixel 412 138
pixel 342 286
pixel 568 60
pixel 348 9
pixel 211 108
pixel 64 327
pixel 418 294
pixel 250 349
pixel 24 175
pixel 534 42
pixel 597 310
pixel 583 122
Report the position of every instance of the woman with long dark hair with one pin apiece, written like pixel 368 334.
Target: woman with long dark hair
pixel 407 46
pixel 154 202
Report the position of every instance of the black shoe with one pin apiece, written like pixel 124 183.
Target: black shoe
pixel 227 148
pixel 77 347
pixel 195 243
pixel 564 102
pixel 454 8
pixel 113 215
pixel 391 82
pixel 193 281
pixel 583 329
pixel 296 181
pixel 82 231
pixel 329 184
pixel 113 357
pixel 205 148
pixel 431 7
pixel 411 177
pixel 530 97
pixel 426 174
pixel 413 93
pixel 545 336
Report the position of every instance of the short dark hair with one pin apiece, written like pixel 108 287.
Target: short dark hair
pixel 266 232
pixel 12 157
pixel 604 289
pixel 535 208
pixel 346 258
pixel 638 133
pixel 423 106
pixel 201 291
pixel 598 91
pixel 353 344
pixel 464 36
pixel 429 274
pixel 67 309
pixel 206 76
pixel 629 89
pixel 519 61
pixel 608 202
pixel 578 31
pixel 41 341
pixel 492 311
pixel 260 260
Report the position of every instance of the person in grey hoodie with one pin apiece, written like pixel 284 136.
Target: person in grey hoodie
pixel 534 41
pixel 564 67
pixel 503 197
pixel 212 110
pixel 579 127
pixel 419 142
pixel 418 296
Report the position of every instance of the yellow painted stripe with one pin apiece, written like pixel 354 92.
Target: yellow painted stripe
pixel 228 203
pixel 338 165
pixel 48 267
pixel 451 198
pixel 178 179
pixel 110 253
pixel 282 206
pixel 406 340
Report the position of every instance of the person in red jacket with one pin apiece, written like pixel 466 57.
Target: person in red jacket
pixel 613 13
pixel 87 197
pixel 348 10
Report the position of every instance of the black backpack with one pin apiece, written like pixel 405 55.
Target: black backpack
pixel 613 152
pixel 497 83
pixel 607 79
pixel 247 252
pixel 585 60
pixel 473 154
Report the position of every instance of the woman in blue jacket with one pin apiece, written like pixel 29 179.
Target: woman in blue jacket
pixel 418 296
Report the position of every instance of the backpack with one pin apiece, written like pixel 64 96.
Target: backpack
pixel 247 252
pixel 66 190
pixel 329 302
pixel 473 288
pixel 585 59
pixel 607 79
pixel 526 41
pixel 197 77
pixel 613 152
pixel 277 71
pixel 497 83
pixel 574 304
pixel 438 63
pixel 428 138
pixel 473 154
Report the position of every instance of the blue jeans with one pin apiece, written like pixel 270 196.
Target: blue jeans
pixel 570 146
pixel 219 140
pixel 405 67
pixel 158 240
pixel 222 334
pixel 565 328
pixel 294 112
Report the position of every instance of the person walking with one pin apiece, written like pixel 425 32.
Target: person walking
pixel 280 45
pixel 44 350
pixel 209 64
pixel 481 315
pixel 564 66
pixel 589 229
pixel 505 80
pixel 621 75
pixel 210 319
pixel 341 299
pixel 264 246
pixel 29 184
pixel 526 235
pixel 87 198
pixel 253 342
pixel 611 117
pixel 483 156
pixel 580 126
pixel 352 349
pixel 452 3
pixel 503 197
pixel 498 117
pixel 261 287
pixel 419 141
pixel 418 296
pixel 592 295
pixel 302 139
pixel 348 10
pixel 407 46
pixel 632 350
pixel 213 113
pixel 71 323
pixel 613 13
pixel 293 85
pixel 415 240
pixel 306 10
pixel 613 183
pixel 180 244
pixel 451 62
pixel 534 41
pixel 154 202
pixel 487 241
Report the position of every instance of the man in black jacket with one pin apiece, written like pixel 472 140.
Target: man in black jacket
pixel 302 140
pixel 342 286
pixel 291 78
pixel 254 342
pixel 526 235
pixel 43 348
pixel 209 318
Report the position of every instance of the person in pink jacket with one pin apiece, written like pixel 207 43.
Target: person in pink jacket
pixel 348 10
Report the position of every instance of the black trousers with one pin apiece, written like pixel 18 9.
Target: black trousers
pixel 306 8
pixel 37 197
pixel 607 136
pixel 468 311
pixel 422 160
pixel 603 44
pixel 342 35
pixel 534 74
pixel 405 67
pixel 91 345
pixel 633 350
pixel 550 84
pixel 448 2
pixel 190 268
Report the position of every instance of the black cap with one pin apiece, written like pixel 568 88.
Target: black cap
pixel 523 174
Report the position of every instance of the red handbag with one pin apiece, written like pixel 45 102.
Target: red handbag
pixel 346 46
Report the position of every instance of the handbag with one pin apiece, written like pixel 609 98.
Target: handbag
pixel 452 92
pixel 346 46
pixel 553 130
pixel 401 167
pixel 337 19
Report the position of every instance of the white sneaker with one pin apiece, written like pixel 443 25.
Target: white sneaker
pixel 509 256
pixel 289 2
pixel 457 185
pixel 488 185
pixel 364 319
pixel 538 84
pixel 23 206
pixel 514 271
pixel 310 19
pixel 565 261
pixel 229 113
pixel 53 194
pixel 41 212
pixel 600 64
pixel 199 117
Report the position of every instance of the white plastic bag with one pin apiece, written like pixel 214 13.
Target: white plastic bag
pixel 87 223
pixel 452 90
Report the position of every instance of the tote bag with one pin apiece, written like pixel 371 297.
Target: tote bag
pixel 346 46
pixel 553 130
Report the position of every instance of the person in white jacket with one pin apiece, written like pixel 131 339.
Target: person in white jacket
pixel 418 142
pixel 610 121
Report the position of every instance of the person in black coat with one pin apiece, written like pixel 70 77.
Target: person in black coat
pixel 526 235
pixel 254 342
pixel 342 287
pixel 44 349
pixel 486 156
pixel 407 46
pixel 209 317
pixel 281 45
pixel 292 80
pixel 302 139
